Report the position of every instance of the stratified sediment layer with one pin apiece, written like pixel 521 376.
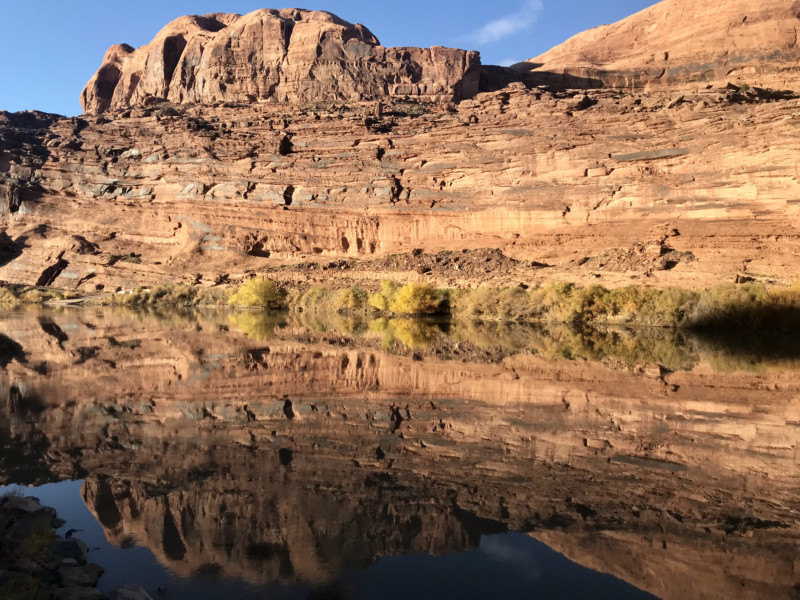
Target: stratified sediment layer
pixel 676 43
pixel 214 191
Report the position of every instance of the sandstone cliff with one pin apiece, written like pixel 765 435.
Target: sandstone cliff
pixel 676 42
pixel 692 186
pixel 280 55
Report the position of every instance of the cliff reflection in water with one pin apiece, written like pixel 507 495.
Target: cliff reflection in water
pixel 273 449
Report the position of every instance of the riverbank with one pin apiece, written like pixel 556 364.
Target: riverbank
pixel 749 306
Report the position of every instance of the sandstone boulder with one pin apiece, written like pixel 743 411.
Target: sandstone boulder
pixel 281 55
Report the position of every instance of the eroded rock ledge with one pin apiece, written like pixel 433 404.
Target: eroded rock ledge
pixel 678 43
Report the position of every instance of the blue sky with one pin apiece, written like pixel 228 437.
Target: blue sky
pixel 50 48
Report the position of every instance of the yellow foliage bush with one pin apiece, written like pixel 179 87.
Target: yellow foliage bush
pixel 7 297
pixel 416 298
pixel 33 297
pixel 350 300
pixel 258 292
pixel 381 300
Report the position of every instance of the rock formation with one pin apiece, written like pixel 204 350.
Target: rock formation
pixel 288 55
pixel 680 184
pixel 682 483
pixel 680 43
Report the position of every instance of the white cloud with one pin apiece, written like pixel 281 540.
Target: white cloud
pixel 516 22
pixel 507 62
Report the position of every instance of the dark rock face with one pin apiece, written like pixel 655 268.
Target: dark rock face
pixel 279 55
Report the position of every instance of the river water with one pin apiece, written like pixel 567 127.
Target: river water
pixel 217 454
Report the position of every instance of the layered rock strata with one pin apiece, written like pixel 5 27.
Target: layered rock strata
pixel 288 55
pixel 214 191
pixel 680 184
pixel 681 483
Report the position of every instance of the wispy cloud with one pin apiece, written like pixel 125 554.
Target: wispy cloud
pixel 516 22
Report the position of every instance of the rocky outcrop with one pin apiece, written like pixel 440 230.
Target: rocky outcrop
pixel 680 43
pixel 216 191
pixel 37 563
pixel 285 55
pixel 674 481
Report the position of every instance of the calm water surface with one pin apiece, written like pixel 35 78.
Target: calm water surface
pixel 207 455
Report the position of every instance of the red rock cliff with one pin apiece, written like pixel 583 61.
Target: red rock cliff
pixel 284 55
pixel 676 42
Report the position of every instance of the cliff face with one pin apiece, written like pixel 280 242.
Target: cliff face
pixel 280 55
pixel 215 191
pixel 679 43
pixel 681 483
pixel 679 184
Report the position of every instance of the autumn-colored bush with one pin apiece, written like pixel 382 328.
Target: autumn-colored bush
pixel 415 298
pixel 258 292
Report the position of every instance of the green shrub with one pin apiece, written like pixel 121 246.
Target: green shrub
pixel 258 292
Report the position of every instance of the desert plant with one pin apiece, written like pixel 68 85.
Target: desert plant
pixel 12 492
pixel 212 296
pixel 417 298
pixel 352 299
pixel 33 296
pixel 259 292
pixel 381 300
pixel 8 297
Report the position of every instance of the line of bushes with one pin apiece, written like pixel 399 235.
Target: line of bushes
pixel 674 349
pixel 748 306
pixel 14 295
